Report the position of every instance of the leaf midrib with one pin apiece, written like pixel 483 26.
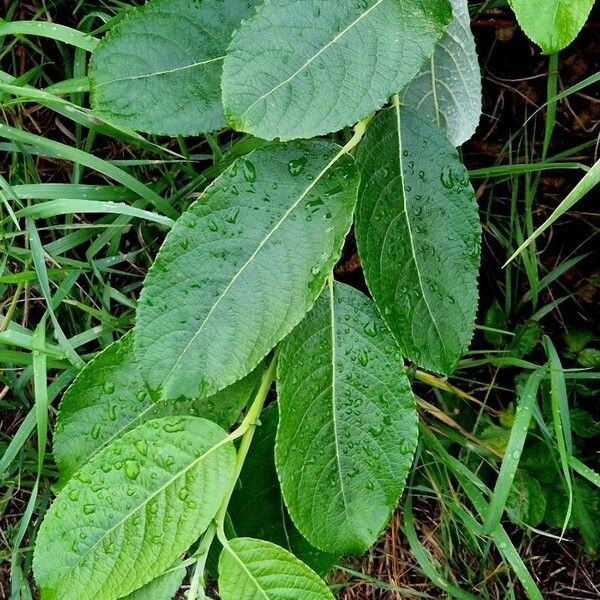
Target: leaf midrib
pixel 158 73
pixel 333 403
pixel 248 572
pixel 314 57
pixel 144 503
pixel 408 224
pixel 260 246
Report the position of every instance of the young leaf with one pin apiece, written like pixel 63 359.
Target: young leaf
pixel 448 88
pixel 159 69
pixel 348 423
pixel 109 397
pixel 133 509
pixel 418 237
pixel 250 569
pixel 298 69
pixel 552 24
pixel 257 509
pixel 526 502
pixel 243 265
pixel 163 587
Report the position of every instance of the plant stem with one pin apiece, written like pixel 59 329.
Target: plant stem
pixel 197 582
pixel 359 131
pixel 246 432
pixel 247 428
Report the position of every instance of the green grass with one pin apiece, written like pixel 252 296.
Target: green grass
pixel 84 208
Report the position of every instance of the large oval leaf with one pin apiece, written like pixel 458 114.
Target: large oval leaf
pixel 418 237
pixel 133 509
pixel 448 87
pixel 268 518
pixel 109 397
pixel 251 569
pixel 348 423
pixel 159 69
pixel 552 24
pixel 243 265
pixel 298 69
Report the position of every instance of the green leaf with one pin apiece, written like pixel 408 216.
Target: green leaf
pixel 526 502
pixel 526 338
pixel 300 70
pixel 251 569
pixel 133 509
pixel 419 237
pixel 109 397
pixel 159 69
pixel 586 511
pixel 348 423
pixel 448 88
pixel 583 423
pixel 163 587
pixel 495 318
pixel 589 358
pixel 552 24
pixel 577 338
pixel 243 265
pixel 257 509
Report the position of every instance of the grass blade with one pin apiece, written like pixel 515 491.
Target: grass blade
pixel 60 33
pixel 516 442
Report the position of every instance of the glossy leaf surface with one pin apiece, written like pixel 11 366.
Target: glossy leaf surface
pixel 109 397
pixel 163 587
pixel 259 488
pixel 348 423
pixel 448 88
pixel 133 509
pixel 418 237
pixel 552 24
pixel 253 569
pixel 298 68
pixel 243 265
pixel 159 69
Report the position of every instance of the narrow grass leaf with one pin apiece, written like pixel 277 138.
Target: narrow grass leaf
pixel 53 208
pixel 514 448
pixel 424 559
pixel 561 420
pixel 585 185
pixel 92 162
pixel 60 33
pixel 468 481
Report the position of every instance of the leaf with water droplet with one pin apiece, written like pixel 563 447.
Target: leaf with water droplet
pixel 423 277
pixel 286 77
pixel 448 87
pixel 224 303
pixel 339 433
pixel 128 403
pixel 259 488
pixel 147 546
